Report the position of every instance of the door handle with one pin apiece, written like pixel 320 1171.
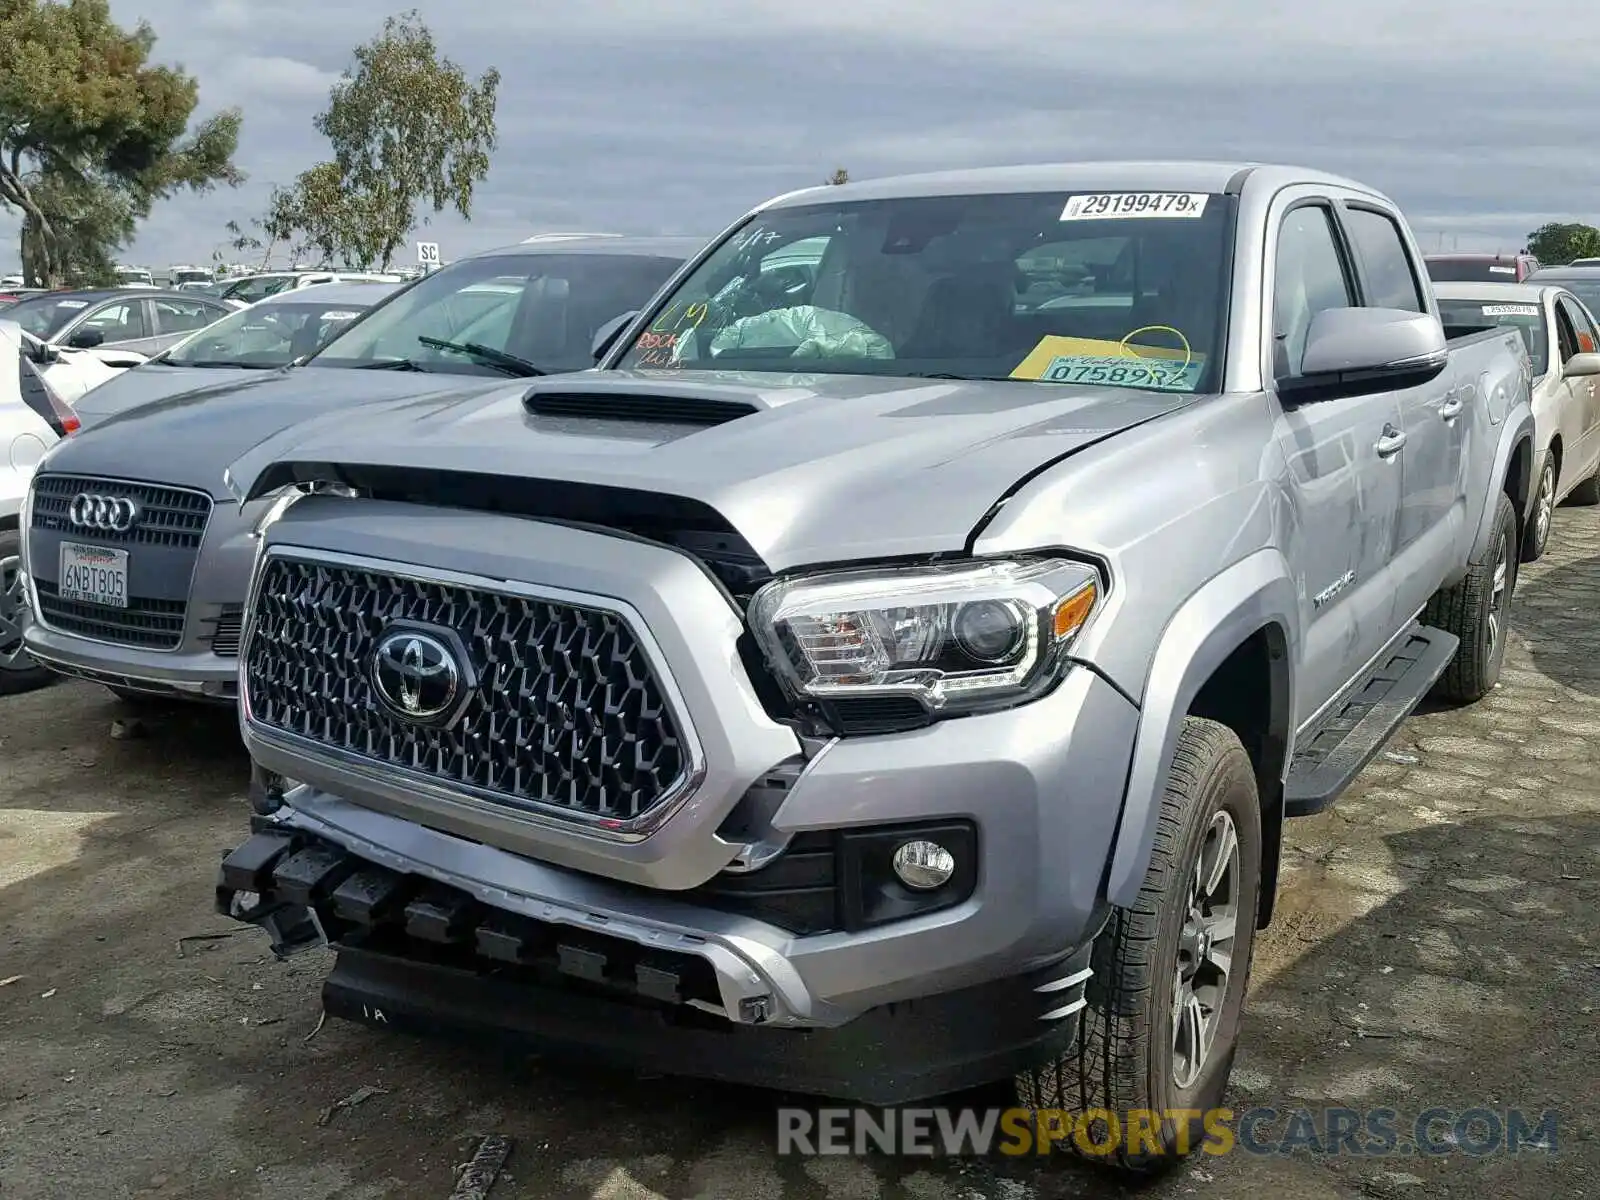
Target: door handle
pixel 1391 441
pixel 1451 408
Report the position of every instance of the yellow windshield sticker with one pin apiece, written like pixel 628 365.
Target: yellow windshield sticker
pixel 1130 362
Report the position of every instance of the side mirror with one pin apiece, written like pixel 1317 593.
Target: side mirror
pixel 607 333
pixel 1581 364
pixel 1358 351
pixel 87 339
pixel 42 353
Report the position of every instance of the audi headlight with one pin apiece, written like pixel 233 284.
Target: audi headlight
pixel 957 638
pixel 285 498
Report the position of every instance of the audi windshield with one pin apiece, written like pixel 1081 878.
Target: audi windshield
pixel 1122 289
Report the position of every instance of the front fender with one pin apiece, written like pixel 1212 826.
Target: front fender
pixel 1254 593
pixel 1512 473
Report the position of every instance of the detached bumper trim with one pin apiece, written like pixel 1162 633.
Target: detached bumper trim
pixel 897 1054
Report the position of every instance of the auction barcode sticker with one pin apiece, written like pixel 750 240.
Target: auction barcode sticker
pixel 1112 206
pixel 1511 310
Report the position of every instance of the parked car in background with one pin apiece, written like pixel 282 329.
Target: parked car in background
pixel 11 295
pixel 81 339
pixel 135 277
pixel 250 288
pixel 913 678
pixel 257 341
pixel 1482 268
pixel 1582 281
pixel 1564 349
pixel 32 419
pixel 168 563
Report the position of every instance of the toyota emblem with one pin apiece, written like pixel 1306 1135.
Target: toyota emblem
pixel 109 514
pixel 418 676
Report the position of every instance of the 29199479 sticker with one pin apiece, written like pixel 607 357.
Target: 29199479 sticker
pixel 1114 206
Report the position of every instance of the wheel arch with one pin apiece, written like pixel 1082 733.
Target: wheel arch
pixel 1227 654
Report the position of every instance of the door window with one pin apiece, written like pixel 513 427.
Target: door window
pixel 1309 278
pixel 1385 265
pixel 183 316
pixel 1584 337
pixel 1566 336
pixel 123 321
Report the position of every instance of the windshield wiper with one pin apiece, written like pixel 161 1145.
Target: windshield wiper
pixel 393 364
pixel 226 362
pixel 966 378
pixel 488 355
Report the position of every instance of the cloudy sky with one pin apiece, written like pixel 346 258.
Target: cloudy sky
pixel 672 118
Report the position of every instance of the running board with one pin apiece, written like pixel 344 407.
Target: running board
pixel 1355 729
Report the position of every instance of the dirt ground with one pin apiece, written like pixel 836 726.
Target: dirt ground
pixel 1436 947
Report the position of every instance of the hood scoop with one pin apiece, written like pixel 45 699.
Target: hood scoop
pixel 638 406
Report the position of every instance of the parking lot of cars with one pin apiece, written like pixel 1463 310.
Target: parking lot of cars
pixel 1104 639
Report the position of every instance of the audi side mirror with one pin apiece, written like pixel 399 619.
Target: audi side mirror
pixel 608 333
pixel 87 339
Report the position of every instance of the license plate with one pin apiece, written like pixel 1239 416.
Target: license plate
pixel 94 575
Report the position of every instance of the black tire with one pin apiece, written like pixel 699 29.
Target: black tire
pixel 1536 537
pixel 1125 1057
pixel 18 673
pixel 1478 610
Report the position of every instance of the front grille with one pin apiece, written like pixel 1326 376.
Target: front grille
pixel 152 624
pixel 225 641
pixel 566 715
pixel 169 516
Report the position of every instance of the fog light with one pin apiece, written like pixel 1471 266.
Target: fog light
pixel 923 865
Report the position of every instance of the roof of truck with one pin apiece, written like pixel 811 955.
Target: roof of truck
pixel 1467 289
pixel 604 243
pixel 1109 176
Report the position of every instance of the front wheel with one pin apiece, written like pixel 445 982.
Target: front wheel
pixel 18 672
pixel 1170 974
pixel 1536 538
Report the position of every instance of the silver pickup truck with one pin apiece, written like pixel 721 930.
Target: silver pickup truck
pixel 893 675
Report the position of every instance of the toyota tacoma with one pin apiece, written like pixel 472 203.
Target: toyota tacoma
pixel 891 669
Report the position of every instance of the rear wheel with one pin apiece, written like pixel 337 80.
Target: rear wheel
pixel 18 672
pixel 1170 974
pixel 1478 611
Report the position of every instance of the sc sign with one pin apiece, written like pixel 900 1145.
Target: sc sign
pixel 428 254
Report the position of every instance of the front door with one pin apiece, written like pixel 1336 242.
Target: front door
pixel 1576 334
pixel 1344 460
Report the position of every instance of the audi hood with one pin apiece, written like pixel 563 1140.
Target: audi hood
pixel 188 438
pixel 808 468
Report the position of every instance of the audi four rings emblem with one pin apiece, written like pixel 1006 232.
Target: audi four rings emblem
pixel 112 514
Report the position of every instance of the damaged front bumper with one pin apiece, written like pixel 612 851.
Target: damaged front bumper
pixel 420 954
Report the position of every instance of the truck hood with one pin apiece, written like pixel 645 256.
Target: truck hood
pixel 806 468
pixel 188 437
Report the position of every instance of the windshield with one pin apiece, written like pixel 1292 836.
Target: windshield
pixel 1471 270
pixel 1464 317
pixel 266 335
pixel 1126 290
pixel 1586 288
pixel 509 314
pixel 257 287
pixel 45 316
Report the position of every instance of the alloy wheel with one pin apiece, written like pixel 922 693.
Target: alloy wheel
pixel 12 602
pixel 1204 968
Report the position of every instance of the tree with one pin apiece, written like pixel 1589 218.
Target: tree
pixel 839 176
pixel 92 135
pixel 407 129
pixel 1558 243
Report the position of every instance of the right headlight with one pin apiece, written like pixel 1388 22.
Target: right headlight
pixel 957 638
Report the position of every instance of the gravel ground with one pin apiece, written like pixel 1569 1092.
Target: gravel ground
pixel 1436 947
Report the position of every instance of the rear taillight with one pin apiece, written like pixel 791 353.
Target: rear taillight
pixel 41 397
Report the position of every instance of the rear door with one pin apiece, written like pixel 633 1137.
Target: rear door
pixel 1436 418
pixel 176 319
pixel 1344 462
